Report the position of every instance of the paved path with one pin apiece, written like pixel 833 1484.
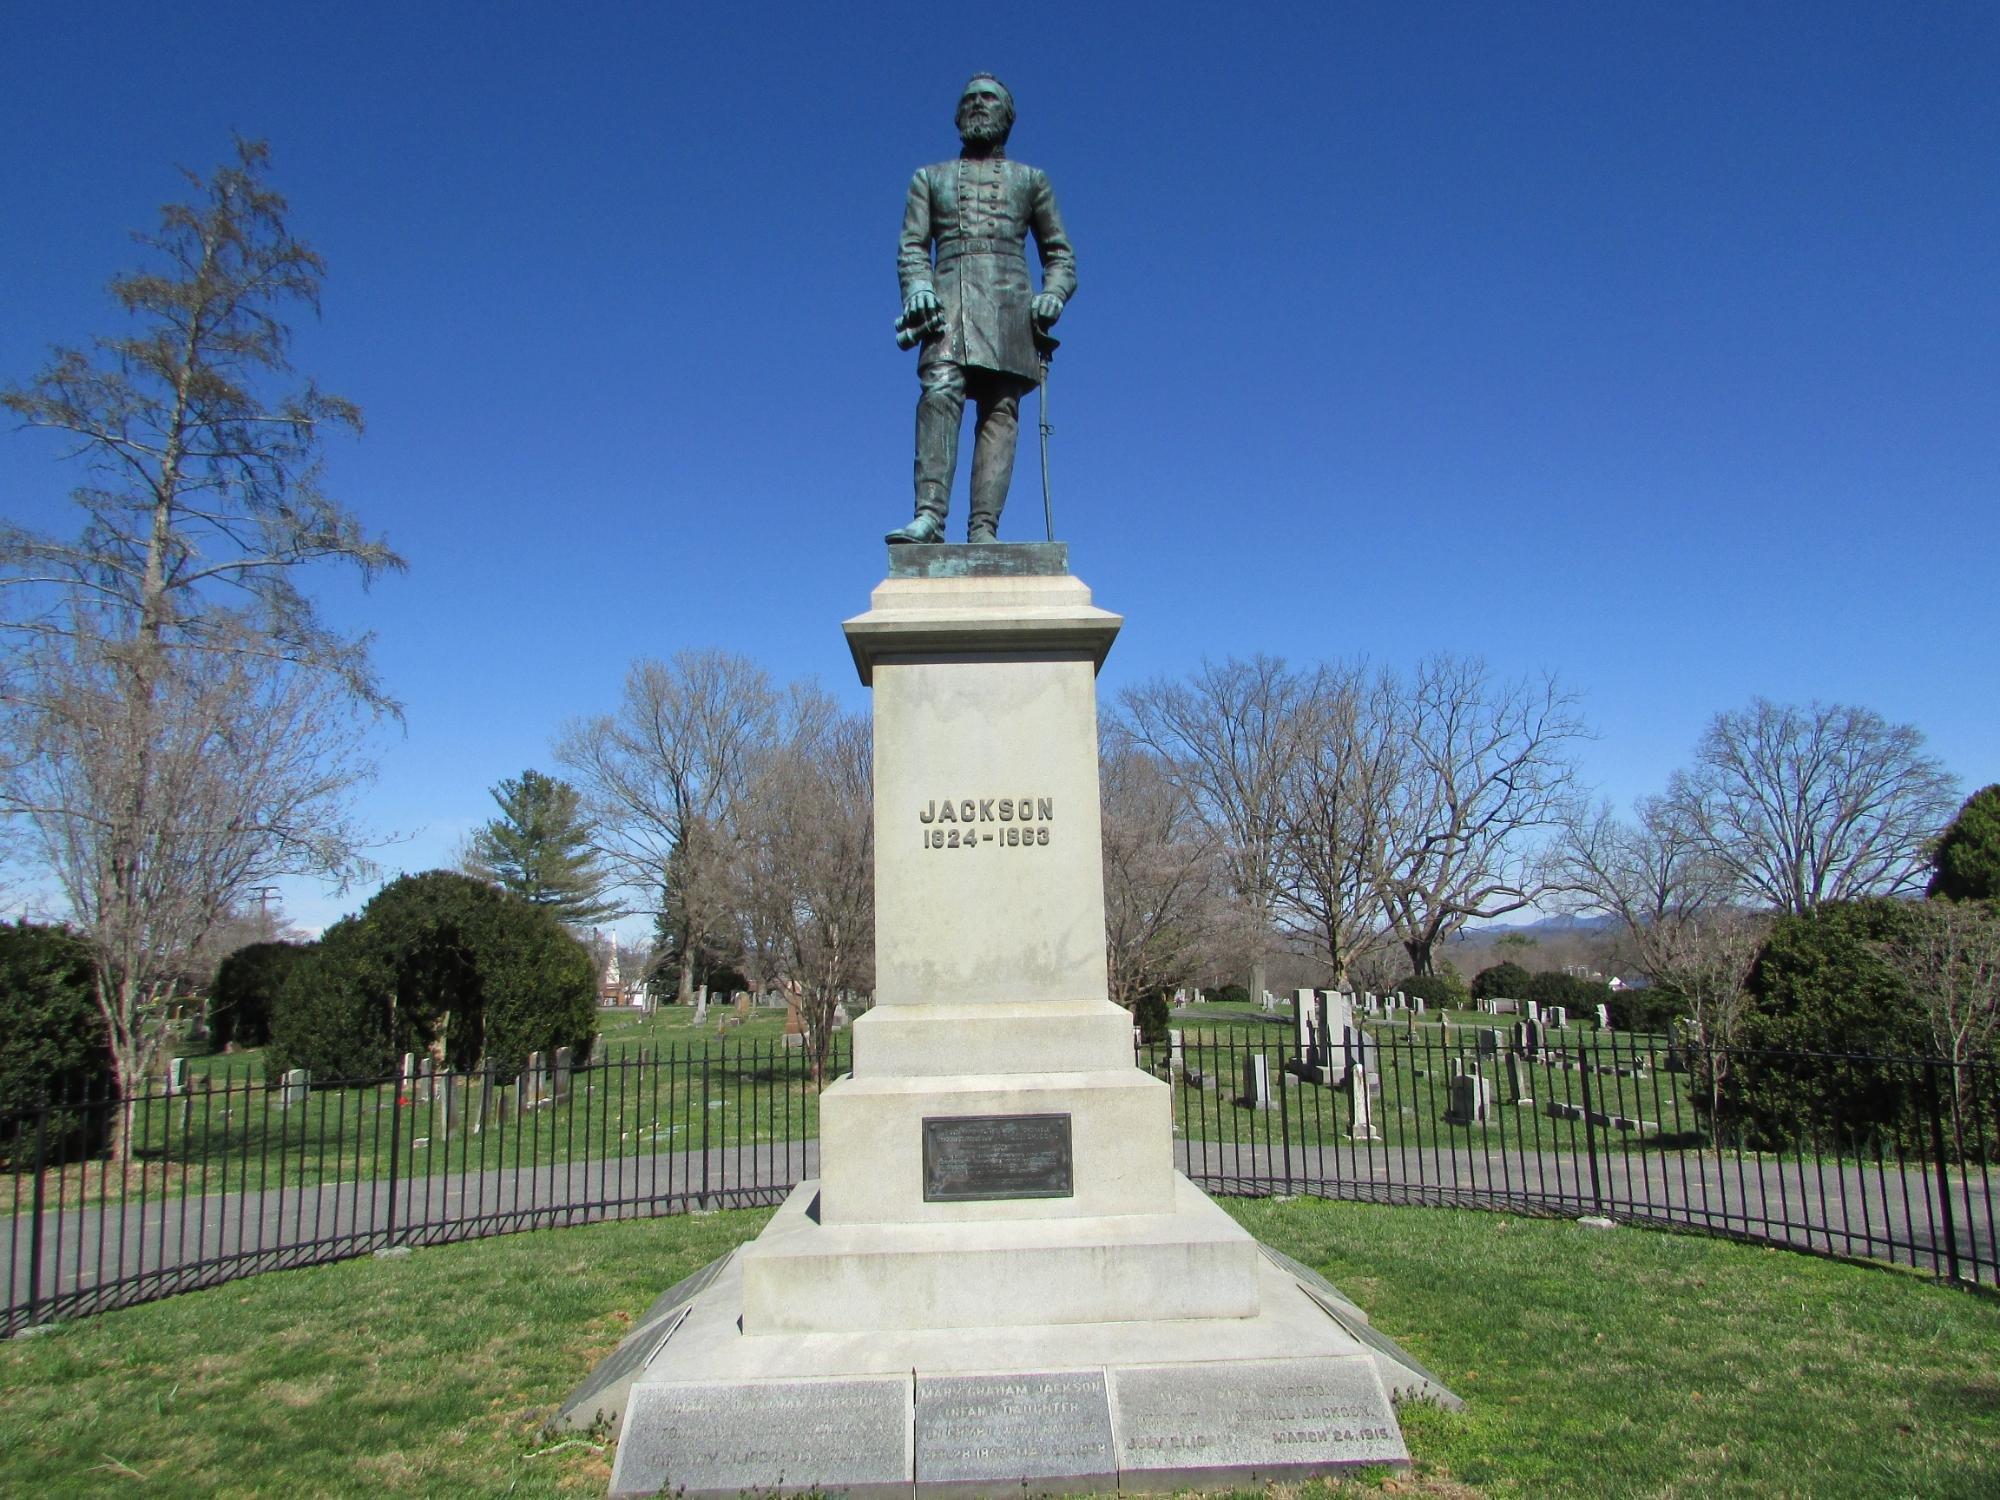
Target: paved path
pixel 125 1252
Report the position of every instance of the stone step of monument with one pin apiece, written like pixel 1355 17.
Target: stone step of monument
pixel 1023 1036
pixel 802 1276
pixel 1187 1402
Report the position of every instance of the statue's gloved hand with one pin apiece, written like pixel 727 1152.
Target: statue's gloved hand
pixel 1048 307
pixel 921 306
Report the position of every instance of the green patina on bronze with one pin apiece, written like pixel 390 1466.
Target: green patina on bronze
pixel 986 560
pixel 969 301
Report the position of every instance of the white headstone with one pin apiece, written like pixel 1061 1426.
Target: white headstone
pixel 1359 1087
pixel 1257 1081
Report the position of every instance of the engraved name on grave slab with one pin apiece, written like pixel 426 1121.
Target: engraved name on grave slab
pixel 1257 1419
pixel 973 1157
pixel 976 1430
pixel 715 1438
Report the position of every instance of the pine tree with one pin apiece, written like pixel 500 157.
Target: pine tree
pixel 539 848
pixel 1966 857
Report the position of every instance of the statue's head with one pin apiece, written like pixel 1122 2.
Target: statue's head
pixel 985 111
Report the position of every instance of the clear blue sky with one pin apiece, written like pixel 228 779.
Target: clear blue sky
pixel 1654 345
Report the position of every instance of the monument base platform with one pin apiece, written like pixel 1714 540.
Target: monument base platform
pixel 1301 1386
pixel 804 1276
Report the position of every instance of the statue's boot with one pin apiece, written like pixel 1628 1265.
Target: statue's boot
pixel 981 530
pixel 927 527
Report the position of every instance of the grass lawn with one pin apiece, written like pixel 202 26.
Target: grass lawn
pixel 1594 1363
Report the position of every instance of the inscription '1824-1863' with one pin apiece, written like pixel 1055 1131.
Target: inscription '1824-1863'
pixel 968 1158
pixel 1011 822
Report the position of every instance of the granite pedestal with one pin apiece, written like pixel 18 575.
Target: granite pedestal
pixel 999 1280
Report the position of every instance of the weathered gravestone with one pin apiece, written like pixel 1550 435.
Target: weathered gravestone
pixel 1471 1095
pixel 1257 1081
pixel 1520 1079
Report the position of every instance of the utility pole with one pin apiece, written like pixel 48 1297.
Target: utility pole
pixel 264 893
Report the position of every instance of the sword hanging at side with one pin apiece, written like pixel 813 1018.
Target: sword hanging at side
pixel 1046 347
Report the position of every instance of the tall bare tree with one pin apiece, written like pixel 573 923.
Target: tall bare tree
pixel 663 780
pixel 1484 769
pixel 1949 955
pixel 1229 736
pixel 1675 901
pixel 1331 817
pixel 1168 912
pixel 1821 803
pixel 179 722
pixel 808 860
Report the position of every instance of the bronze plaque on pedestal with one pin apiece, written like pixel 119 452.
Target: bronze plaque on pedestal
pixel 972 1157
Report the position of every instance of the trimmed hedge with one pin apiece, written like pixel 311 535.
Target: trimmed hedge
pixel 1506 980
pixel 52 1038
pixel 246 991
pixel 1443 989
pixel 438 960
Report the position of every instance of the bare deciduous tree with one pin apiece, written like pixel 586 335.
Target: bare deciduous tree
pixel 663 779
pixel 1331 816
pixel 1483 769
pixel 180 723
pixel 1673 898
pixel 1822 803
pixel 807 869
pixel 1228 736
pixel 1167 906
pixel 1949 956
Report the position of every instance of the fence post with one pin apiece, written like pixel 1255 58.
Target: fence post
pixel 1584 1065
pixel 1943 1175
pixel 396 1148
pixel 35 1233
pixel 1279 1078
pixel 703 1199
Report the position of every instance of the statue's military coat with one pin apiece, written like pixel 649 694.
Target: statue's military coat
pixel 976 213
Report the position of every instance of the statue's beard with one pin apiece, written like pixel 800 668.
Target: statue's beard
pixel 973 133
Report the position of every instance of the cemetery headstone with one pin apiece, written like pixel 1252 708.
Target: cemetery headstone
pixel 297 1082
pixel 559 1074
pixel 1520 1079
pixel 1471 1095
pixel 1257 1081
pixel 1360 1088
pixel 1603 1018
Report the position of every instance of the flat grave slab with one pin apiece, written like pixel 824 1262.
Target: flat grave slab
pixel 1249 1421
pixel 721 1438
pixel 1034 1432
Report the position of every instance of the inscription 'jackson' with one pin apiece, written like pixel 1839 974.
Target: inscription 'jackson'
pixel 989 810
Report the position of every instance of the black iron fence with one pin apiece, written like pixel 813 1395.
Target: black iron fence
pixel 228 1173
